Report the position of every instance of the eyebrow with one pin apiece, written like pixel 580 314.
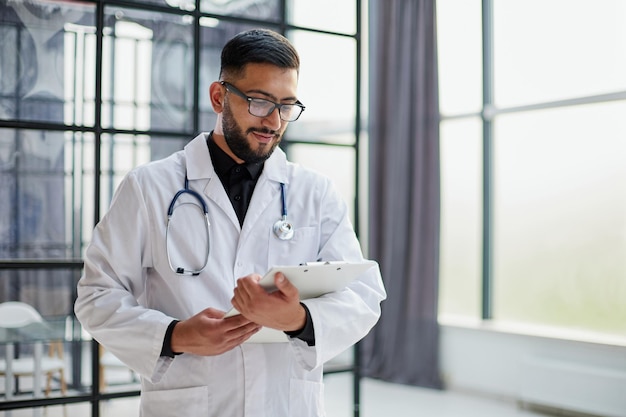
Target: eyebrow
pixel 270 96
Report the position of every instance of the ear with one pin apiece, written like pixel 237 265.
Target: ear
pixel 216 95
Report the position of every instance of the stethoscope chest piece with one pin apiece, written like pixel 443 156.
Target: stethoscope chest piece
pixel 283 229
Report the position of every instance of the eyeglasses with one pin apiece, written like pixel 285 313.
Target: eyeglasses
pixel 261 107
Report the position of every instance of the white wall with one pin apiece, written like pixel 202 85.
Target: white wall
pixel 536 365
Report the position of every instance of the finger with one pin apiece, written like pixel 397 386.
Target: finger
pixel 244 331
pixel 241 298
pixel 247 290
pixel 249 280
pixel 235 303
pixel 284 285
pixel 240 339
pixel 246 286
pixel 249 334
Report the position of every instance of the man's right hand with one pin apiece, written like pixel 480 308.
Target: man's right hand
pixel 208 333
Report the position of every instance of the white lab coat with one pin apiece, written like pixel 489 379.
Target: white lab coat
pixel 128 294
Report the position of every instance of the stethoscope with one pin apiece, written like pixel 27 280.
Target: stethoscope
pixel 283 228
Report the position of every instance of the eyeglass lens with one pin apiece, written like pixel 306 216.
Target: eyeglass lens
pixel 262 108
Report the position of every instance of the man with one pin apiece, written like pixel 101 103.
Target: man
pixel 155 291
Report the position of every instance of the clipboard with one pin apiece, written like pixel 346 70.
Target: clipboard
pixel 313 280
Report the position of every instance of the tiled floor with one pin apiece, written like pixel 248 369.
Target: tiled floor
pixel 378 399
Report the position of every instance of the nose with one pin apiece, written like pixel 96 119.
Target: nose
pixel 273 120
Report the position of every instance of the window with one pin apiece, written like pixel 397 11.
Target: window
pixel 549 137
pixel 460 91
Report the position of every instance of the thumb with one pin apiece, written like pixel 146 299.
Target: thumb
pixel 284 285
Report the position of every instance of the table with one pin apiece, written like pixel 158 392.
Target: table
pixel 51 329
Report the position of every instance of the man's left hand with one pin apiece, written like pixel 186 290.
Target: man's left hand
pixel 279 310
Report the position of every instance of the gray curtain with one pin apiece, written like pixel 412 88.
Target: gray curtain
pixel 404 191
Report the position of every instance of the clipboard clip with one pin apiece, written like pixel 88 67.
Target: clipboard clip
pixel 320 262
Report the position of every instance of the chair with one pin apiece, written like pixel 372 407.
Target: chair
pixel 14 315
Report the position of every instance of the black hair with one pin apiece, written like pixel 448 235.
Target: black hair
pixel 259 46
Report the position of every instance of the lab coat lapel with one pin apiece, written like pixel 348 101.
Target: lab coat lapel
pixel 200 167
pixel 266 192
pixel 217 194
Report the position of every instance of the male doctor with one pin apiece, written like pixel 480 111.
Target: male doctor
pixel 155 294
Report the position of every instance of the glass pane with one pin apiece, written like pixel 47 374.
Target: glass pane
pixel 147 68
pixel 80 75
pixel 39 70
pixel 336 162
pixel 49 291
pixel 459 40
pixel 80 188
pixel 327 91
pixel 560 229
pixel 579 55
pixel 461 218
pixel 268 10
pixel 121 153
pixel 315 14
pixel 41 194
pixel 39 325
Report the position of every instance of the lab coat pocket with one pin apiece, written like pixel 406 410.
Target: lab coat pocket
pixel 306 398
pixel 176 402
pixel 303 247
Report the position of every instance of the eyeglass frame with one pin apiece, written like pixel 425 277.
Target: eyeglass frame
pixel 279 106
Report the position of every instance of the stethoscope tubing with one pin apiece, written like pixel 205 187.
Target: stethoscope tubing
pixel 187 190
pixel 283 229
pixel 170 212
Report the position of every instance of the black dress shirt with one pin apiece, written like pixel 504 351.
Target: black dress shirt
pixel 238 180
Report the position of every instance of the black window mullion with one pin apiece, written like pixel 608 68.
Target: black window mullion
pixel 95 349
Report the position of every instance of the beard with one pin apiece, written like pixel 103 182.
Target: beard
pixel 237 140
